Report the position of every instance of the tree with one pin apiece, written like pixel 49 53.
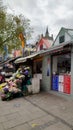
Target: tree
pixel 2 22
pixel 10 27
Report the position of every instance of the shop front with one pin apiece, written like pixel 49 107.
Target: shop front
pixel 61 73
pixel 34 61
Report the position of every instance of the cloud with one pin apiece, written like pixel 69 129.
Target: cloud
pixel 52 13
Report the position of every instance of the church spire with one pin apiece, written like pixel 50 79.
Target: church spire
pixel 47 33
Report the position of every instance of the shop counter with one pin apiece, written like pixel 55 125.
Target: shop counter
pixel 62 83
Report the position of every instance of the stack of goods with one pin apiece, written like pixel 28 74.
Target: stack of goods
pixel 16 86
pixel 10 91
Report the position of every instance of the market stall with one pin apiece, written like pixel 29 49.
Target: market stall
pixel 61 70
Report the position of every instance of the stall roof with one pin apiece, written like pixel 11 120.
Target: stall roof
pixel 9 60
pixel 56 48
pixel 24 59
pixel 51 50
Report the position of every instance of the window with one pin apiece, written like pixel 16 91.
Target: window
pixel 61 39
pixel 64 63
pixel 61 64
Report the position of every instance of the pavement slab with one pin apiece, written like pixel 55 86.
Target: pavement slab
pixel 41 111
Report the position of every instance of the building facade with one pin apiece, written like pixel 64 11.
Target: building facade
pixel 45 42
pixel 57 65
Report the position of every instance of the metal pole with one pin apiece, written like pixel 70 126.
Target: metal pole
pixel 23 51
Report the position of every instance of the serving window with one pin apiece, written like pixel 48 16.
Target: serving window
pixel 61 64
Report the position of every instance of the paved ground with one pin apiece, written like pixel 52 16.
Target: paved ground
pixel 37 112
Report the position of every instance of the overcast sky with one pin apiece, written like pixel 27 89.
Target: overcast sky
pixel 42 13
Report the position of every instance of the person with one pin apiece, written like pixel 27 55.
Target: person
pixel 2 77
pixel 28 80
